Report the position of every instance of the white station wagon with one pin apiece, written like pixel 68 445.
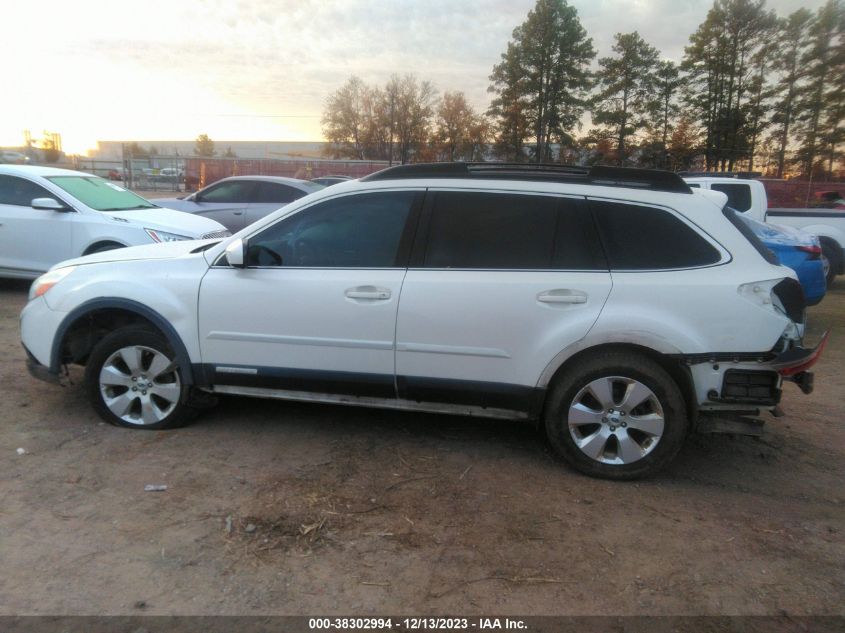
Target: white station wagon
pixel 616 306
pixel 49 214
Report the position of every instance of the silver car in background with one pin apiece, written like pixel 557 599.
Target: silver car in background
pixel 241 200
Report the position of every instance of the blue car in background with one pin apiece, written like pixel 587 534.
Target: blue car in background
pixel 796 249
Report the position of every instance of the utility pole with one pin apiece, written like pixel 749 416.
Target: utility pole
pixel 390 145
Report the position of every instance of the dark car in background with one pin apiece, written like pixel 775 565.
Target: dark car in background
pixel 241 200
pixel 328 181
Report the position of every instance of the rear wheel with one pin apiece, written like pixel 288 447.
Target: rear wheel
pixel 831 255
pixel 134 380
pixel 616 415
pixel 103 247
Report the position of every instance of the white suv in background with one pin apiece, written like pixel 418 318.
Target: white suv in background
pixel 48 215
pixel 613 305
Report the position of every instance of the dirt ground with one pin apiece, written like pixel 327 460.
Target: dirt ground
pixel 275 508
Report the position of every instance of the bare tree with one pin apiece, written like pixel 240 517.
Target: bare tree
pixel 344 119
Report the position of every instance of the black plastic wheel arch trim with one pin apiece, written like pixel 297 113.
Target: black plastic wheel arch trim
pixel 128 305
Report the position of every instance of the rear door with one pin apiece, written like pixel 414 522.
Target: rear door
pixel 499 283
pixel 269 196
pixel 225 202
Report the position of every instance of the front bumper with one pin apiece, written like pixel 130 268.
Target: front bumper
pixel 37 370
pixel 39 325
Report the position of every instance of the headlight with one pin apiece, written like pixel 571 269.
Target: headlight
pixel 48 280
pixel 164 236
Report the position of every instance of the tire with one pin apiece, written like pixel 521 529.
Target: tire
pixel 602 440
pixel 102 248
pixel 132 380
pixel 831 256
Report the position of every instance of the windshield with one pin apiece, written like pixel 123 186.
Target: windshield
pixel 100 194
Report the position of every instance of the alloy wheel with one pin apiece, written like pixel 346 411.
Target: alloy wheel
pixel 140 385
pixel 616 420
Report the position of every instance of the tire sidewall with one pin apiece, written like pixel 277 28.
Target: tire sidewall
pixel 640 368
pixel 127 337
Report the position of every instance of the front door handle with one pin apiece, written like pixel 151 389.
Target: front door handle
pixel 368 292
pixel 562 295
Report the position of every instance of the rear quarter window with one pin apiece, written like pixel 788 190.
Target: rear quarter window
pixel 637 237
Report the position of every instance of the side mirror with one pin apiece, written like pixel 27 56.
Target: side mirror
pixel 235 253
pixel 48 204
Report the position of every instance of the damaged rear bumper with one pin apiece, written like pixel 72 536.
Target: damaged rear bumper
pixel 793 364
pixel 726 381
pixel 39 371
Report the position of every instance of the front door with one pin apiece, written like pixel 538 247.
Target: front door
pixel 314 309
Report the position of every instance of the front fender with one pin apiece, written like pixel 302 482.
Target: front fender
pixel 127 305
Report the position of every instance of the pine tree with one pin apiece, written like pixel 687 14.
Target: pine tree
pixel 541 84
pixel 820 58
pixel 626 83
pixel 719 63
pixel 664 108
pixel 786 62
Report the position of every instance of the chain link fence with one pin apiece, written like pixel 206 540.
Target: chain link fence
pixel 176 173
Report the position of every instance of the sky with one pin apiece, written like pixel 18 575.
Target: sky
pixel 262 69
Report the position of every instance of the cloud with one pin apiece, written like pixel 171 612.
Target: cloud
pixel 282 57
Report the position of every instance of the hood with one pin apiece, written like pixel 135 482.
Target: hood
pixel 168 220
pixel 165 250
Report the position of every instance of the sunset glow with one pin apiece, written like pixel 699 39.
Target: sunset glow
pixel 260 70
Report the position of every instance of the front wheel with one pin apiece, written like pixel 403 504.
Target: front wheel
pixel 617 415
pixel 133 380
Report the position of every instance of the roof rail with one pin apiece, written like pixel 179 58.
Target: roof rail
pixel 742 175
pixel 651 179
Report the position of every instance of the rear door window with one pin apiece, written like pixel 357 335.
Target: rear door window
pixel 477 230
pixel 276 192
pixel 637 237
pixel 228 192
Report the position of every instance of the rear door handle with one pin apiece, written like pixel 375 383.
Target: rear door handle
pixel 562 295
pixel 368 292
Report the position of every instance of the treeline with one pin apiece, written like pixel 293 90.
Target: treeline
pixel 754 90
pixel 404 121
